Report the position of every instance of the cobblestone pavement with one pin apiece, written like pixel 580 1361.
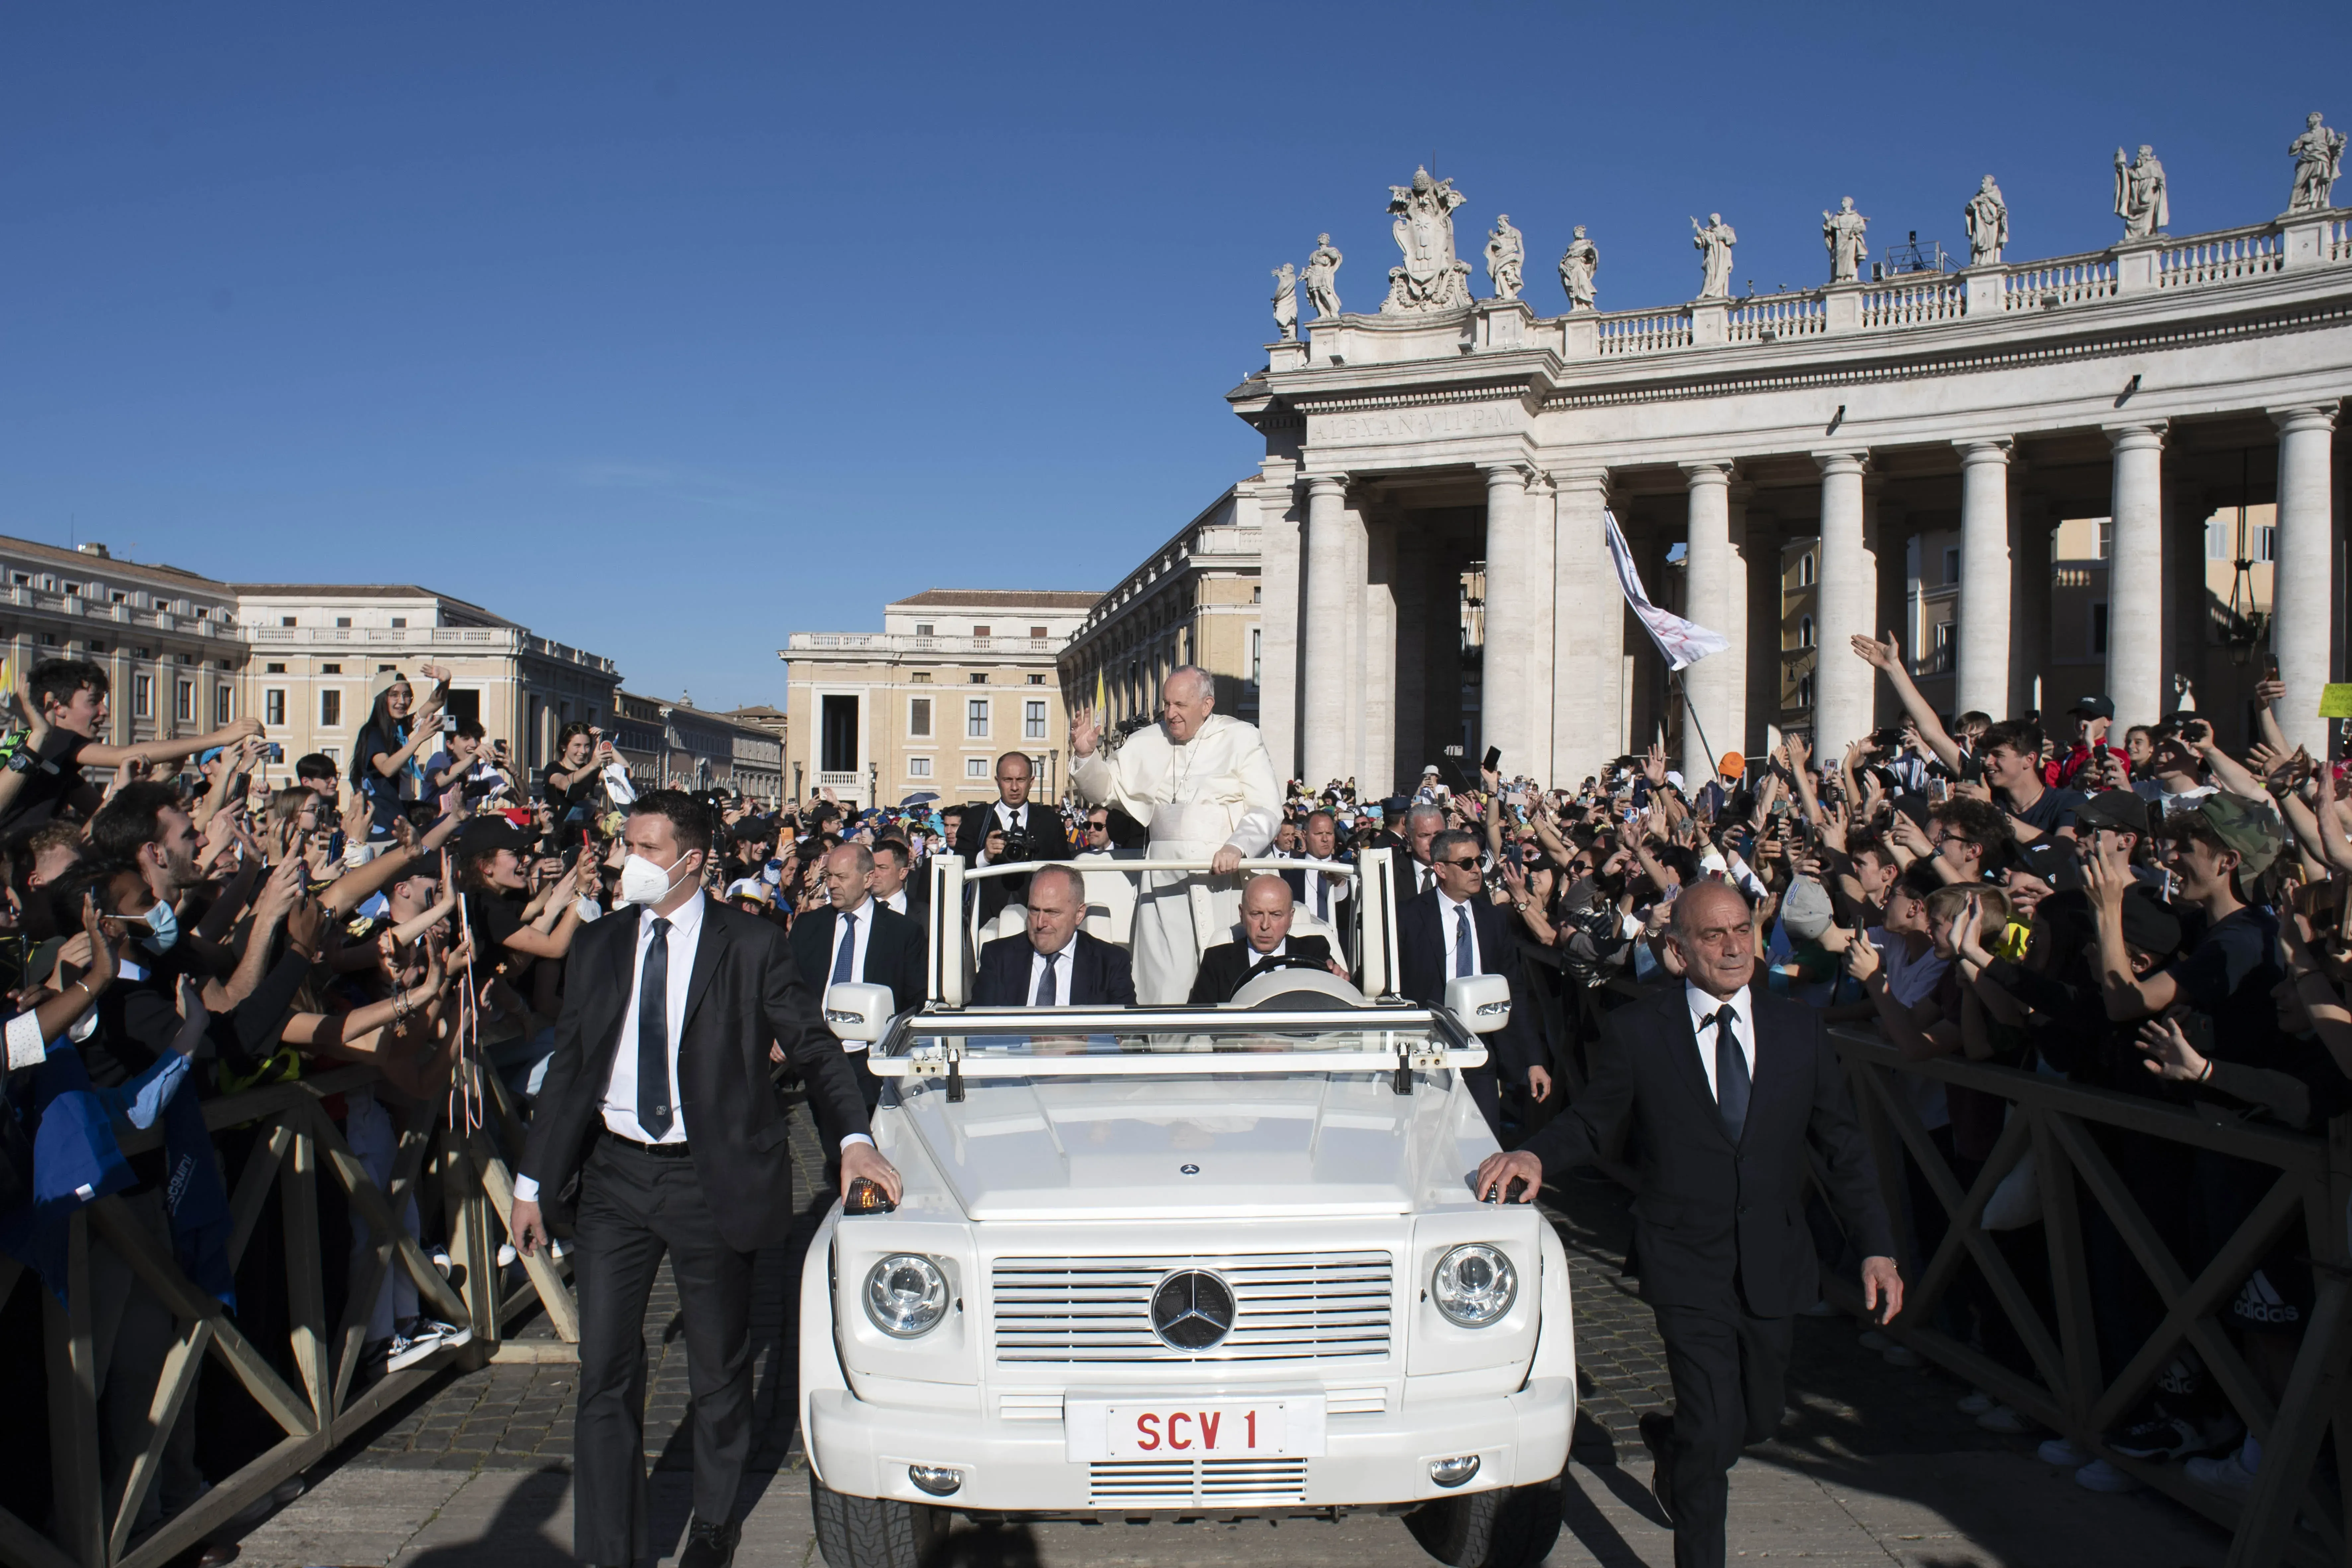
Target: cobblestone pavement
pixel 1873 1464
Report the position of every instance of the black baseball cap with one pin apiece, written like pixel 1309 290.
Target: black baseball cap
pixel 2052 860
pixel 2116 808
pixel 2093 707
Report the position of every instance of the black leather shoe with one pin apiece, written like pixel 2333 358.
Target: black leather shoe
pixel 1658 1436
pixel 709 1545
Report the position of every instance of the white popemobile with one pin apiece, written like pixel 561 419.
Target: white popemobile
pixel 1184 1263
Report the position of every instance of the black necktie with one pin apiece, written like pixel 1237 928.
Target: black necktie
pixel 654 1112
pixel 1322 896
pixel 1048 993
pixel 1730 1073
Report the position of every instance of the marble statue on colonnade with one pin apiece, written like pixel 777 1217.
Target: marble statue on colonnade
pixel 2318 156
pixel 1286 302
pixel 1506 253
pixel 1714 245
pixel 1323 278
pixel 1578 263
pixel 1433 277
pixel 1842 232
pixel 1987 216
pixel 2141 200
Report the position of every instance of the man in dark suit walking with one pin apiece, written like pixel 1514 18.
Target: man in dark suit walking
pixel 1726 1086
pixel 1454 929
pixel 1266 913
pixel 658 1130
pixel 1014 828
pixel 1054 963
pixel 1324 894
pixel 854 938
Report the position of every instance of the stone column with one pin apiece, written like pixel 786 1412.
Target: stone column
pixel 1846 598
pixel 1736 606
pixel 2304 570
pixel 1762 550
pixel 1324 634
pixel 1708 686
pixel 1356 570
pixel 1377 771
pixel 2135 577
pixel 1279 616
pixel 1984 629
pixel 1508 694
pixel 1588 701
pixel 1541 504
pixel 1886 549
pixel 2188 504
pixel 2029 642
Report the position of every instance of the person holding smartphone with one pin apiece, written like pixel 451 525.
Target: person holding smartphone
pixel 2176 780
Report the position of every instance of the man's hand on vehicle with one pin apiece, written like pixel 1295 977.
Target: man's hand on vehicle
pixel 1225 861
pixel 865 1161
pixel 1499 1175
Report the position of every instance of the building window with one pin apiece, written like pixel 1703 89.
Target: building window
pixel 1804 691
pixel 918 767
pixel 331 669
pixel 220 706
pixel 1805 570
pixel 273 706
pixel 975 720
pixel 2098 631
pixel 919 718
pixel 921 677
pixel 838 735
pixel 331 710
pixel 979 631
pixel 924 629
pixel 1951 563
pixel 400 620
pixel 1804 631
pixel 2106 537
pixel 142 697
pixel 1254 655
pixel 975 767
pixel 1036 680
pixel 273 670
pixel 285 620
pixel 980 678
pixel 1032 721
pixel 1037 632
pixel 183 701
pixel 342 620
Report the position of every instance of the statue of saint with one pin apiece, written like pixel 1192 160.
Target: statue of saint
pixel 1714 245
pixel 1842 232
pixel 2318 156
pixel 1578 263
pixel 1323 278
pixel 2141 198
pixel 1507 251
pixel 1286 302
pixel 1433 277
pixel 1986 218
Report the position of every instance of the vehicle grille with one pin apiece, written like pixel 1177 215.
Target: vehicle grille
pixel 1304 1306
pixel 1182 1483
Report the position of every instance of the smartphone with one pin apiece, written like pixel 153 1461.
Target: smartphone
pixel 1494 763
pixel 449 723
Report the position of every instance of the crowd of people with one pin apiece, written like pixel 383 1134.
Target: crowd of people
pixel 2147 913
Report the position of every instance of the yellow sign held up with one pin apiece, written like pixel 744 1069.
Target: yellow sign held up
pixel 2335 701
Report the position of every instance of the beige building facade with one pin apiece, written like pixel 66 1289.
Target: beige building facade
pixel 954 678
pixel 1195 600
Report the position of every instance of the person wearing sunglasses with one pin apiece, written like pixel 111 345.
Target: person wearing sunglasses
pixel 1455 928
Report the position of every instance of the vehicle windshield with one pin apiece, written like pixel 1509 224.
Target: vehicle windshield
pixel 999 1043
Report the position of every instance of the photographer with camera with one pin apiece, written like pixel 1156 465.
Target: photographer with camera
pixel 1013 830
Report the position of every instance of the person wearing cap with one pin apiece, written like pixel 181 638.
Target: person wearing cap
pixel 2177 772
pixel 1798 963
pixel 2038 869
pixel 2116 819
pixel 2093 717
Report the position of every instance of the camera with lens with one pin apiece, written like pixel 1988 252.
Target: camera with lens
pixel 1018 845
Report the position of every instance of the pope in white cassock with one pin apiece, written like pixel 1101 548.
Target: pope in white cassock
pixel 1205 787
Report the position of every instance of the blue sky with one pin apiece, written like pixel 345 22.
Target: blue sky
pixel 669 330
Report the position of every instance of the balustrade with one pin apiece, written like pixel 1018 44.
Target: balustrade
pixel 1644 331
pixel 2218 258
pixel 1914 304
pixel 1773 317
pixel 2073 280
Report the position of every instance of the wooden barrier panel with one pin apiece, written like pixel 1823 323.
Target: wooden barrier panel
pixel 294 1145
pixel 2051 1119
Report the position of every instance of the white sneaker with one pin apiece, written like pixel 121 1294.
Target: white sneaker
pixel 2099 1475
pixel 2063 1453
pixel 555 1249
pixel 441 1262
pixel 2001 1418
pixel 2224 1474
pixel 506 1255
pixel 1976 1402
pixel 429 1335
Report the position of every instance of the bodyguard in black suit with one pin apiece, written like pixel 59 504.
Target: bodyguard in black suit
pixel 1054 963
pixel 900 885
pixel 854 938
pixel 1266 942
pixel 658 1130
pixel 1724 1114
pixel 1431 952
pixel 1324 895
pixel 994 835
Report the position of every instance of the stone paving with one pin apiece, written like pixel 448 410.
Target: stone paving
pixel 1873 1464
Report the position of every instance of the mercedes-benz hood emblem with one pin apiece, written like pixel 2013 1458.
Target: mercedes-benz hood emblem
pixel 1192 1309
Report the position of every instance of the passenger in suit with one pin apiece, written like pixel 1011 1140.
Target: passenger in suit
pixel 1266 914
pixel 1727 1085
pixel 1454 929
pixel 896 885
pixel 1325 894
pixel 854 938
pixel 658 1130
pixel 1054 963
pixel 1014 828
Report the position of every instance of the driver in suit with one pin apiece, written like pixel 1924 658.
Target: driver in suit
pixel 1267 909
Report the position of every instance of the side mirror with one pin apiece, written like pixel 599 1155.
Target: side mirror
pixel 1480 1003
pixel 854 1011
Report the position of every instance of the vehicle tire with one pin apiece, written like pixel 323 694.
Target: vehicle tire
pixel 873 1533
pixel 1512 1527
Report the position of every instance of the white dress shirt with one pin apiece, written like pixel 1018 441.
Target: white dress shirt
pixel 1061 962
pixel 1315 880
pixel 621 1089
pixel 896 902
pixel 1703 1009
pixel 1446 925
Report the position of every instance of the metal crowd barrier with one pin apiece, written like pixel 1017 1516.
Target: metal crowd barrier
pixel 2052 1119
pixel 307 1385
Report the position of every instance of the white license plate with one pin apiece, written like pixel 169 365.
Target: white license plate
pixel 1179 1428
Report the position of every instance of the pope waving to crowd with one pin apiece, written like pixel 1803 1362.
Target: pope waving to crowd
pixel 1205 787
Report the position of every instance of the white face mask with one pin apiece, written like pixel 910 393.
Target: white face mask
pixel 642 882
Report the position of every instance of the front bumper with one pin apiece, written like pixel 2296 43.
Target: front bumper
pixel 1020 1466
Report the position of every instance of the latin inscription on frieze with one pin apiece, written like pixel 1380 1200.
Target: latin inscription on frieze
pixel 1416 423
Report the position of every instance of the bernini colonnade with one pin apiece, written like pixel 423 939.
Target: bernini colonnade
pixel 2142 383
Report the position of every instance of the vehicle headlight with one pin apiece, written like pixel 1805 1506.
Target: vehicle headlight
pixel 906 1295
pixel 1473 1284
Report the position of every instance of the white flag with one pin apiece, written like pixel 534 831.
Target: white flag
pixel 1684 643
